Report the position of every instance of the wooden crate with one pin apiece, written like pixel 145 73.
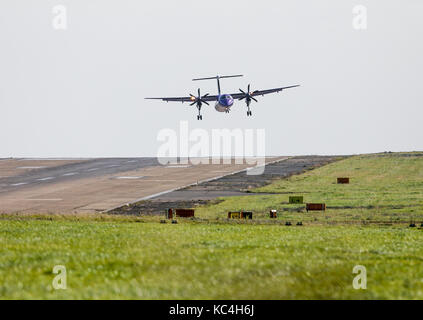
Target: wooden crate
pixel 343 180
pixel 184 213
pixel 315 207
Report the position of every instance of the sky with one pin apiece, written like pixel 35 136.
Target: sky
pixel 79 91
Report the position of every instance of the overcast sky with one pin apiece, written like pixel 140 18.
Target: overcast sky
pixel 80 92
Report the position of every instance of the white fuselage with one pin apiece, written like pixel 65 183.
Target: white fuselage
pixel 220 108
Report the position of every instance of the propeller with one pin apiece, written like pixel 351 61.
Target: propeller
pixel 198 100
pixel 248 96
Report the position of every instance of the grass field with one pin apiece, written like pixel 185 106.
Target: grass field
pixel 211 258
pixel 384 188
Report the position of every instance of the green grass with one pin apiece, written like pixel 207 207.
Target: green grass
pixel 211 258
pixel 384 188
pixel 207 261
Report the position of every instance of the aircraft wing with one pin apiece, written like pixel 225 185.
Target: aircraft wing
pixel 185 99
pixel 262 92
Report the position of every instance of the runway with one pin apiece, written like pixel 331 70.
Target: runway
pixel 236 184
pixel 95 185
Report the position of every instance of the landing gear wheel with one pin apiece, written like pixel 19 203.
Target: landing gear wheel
pixel 249 113
pixel 200 117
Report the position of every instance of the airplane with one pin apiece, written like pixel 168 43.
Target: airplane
pixel 224 102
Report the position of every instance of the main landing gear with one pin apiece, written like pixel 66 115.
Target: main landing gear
pixel 199 102
pixel 248 96
pixel 199 117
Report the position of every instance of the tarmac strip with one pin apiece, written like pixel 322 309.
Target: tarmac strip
pixel 237 183
pixel 96 185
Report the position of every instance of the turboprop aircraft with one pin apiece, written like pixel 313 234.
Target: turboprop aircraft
pixel 224 101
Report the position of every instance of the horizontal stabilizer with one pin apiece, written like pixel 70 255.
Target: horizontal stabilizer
pixel 218 77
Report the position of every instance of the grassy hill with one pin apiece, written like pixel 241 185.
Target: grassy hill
pixel 384 188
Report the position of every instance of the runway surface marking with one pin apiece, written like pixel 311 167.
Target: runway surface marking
pixel 41 199
pixel 52 159
pixel 128 177
pixel 45 179
pixel 178 166
pixel 95 185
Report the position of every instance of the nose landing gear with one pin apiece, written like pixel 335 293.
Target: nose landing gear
pixel 249 113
